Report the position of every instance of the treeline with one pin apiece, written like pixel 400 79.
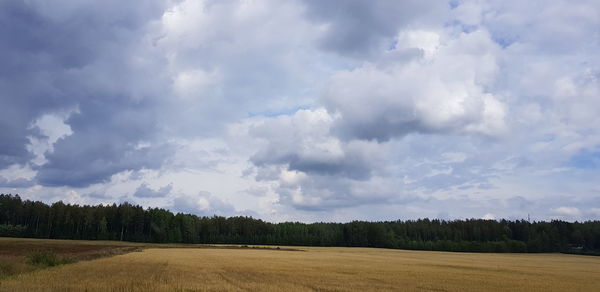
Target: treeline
pixel 25 218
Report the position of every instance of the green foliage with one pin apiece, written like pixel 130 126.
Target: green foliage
pixel 6 269
pixel 133 223
pixel 8 230
pixel 46 259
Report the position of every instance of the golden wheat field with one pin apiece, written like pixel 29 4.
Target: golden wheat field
pixel 313 269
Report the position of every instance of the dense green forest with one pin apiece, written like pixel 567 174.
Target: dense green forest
pixel 25 218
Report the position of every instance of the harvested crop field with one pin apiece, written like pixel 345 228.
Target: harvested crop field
pixel 313 268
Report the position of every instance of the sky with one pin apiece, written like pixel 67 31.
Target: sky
pixel 305 110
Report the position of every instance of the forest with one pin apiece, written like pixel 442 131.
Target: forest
pixel 127 222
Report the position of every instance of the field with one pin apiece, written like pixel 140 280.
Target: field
pixel 149 267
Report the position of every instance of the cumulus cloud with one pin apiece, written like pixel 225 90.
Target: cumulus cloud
pixel 304 144
pixel 313 168
pixel 341 156
pixel 435 95
pixel 202 204
pixel 441 93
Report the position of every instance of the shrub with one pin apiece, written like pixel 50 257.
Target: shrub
pixel 6 269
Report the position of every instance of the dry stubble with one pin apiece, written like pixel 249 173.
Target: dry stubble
pixel 324 269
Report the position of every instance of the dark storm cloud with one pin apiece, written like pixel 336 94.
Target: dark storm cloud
pixel 356 28
pixel 58 57
pixel 105 142
pixel 20 43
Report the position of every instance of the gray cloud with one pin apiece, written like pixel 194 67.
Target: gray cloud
pixel 107 138
pixel 359 28
pixel 144 191
pixel 16 183
pixel 303 143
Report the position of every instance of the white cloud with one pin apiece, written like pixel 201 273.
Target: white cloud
pixel 202 204
pixel 428 41
pixel 568 212
pixel 52 128
pixel 489 216
pixel 194 83
pixel 445 93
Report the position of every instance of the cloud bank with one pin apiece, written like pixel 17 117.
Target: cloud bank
pixel 305 110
